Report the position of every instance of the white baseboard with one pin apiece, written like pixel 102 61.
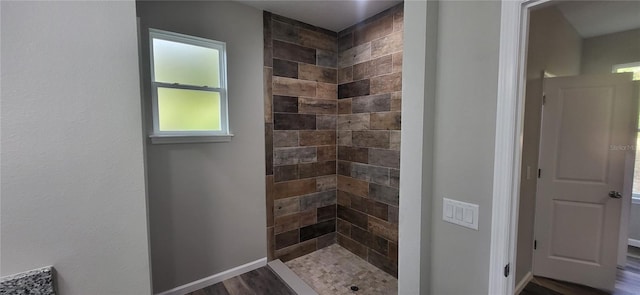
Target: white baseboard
pixel 523 283
pixel 634 242
pixel 216 278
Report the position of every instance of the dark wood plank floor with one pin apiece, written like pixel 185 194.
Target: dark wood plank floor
pixel 627 282
pixel 256 282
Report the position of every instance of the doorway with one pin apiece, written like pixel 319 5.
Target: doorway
pixel 516 103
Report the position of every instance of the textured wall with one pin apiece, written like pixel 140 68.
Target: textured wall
pixel 72 182
pixel 300 130
pixel 206 200
pixel 369 101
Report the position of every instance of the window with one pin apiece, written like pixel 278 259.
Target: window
pixel 635 69
pixel 189 89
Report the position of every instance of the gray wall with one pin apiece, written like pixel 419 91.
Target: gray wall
pixel 600 54
pixel 418 88
pixel 206 201
pixel 555 47
pixel 465 109
pixel 72 180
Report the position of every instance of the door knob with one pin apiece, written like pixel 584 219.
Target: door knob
pixel 615 195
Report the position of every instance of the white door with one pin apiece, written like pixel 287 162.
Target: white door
pixel 587 129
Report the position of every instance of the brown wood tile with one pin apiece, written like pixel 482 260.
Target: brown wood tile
pixel 371 103
pixel 285 138
pixel 317 169
pixel 344 168
pixel 267 37
pixel 326 183
pixel 383 262
pixel 327 122
pixel 285 173
pixel 313 39
pixel 383 194
pixel 271 243
pixel 397 62
pixel 370 138
pixel 353 89
pixel 360 235
pixel 284 32
pixel 358 203
pixel 344 227
pixel 354 122
pixel 374 30
pixel 326 58
pixel 393 214
pixel 387 45
pixel 394 140
pixel 393 252
pixel 326 240
pixel 379 66
pixel 293 87
pixel 398 20
pixel 352 185
pixel 344 138
pixel 344 199
pixel 308 217
pixel 269 199
pixel 317 200
pixel 286 206
pixel 268 90
pixel 375 174
pixel 287 223
pixel 327 153
pixel 268 148
pixel 287 189
pixel 316 106
pixel 385 121
pixel 313 138
pixel 317 230
pixel 354 55
pixel 285 104
pixel 292 52
pixel 287 239
pixel 353 154
pixel 386 83
pixel 326 212
pixel 290 156
pixel 345 75
pixel 299 24
pixel 345 42
pixel 378 209
pixel 327 91
pixel 396 105
pixel 284 121
pixel 285 68
pixel 353 246
pixel 358 218
pixel 316 73
pixel 384 158
pixel 384 229
pixel 344 106
pixel 296 251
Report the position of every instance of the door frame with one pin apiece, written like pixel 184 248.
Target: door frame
pixel 514 29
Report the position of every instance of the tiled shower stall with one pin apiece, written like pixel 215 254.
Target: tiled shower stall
pixel 332 128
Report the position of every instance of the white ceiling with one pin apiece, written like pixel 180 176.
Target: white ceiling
pixel 334 15
pixel 595 18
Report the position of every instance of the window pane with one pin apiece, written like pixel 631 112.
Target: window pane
pixel 181 63
pixel 634 70
pixel 188 110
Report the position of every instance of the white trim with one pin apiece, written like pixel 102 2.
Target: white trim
pixel 293 281
pixel 523 283
pixel 508 145
pixel 166 139
pixel 634 242
pixel 614 68
pixel 216 278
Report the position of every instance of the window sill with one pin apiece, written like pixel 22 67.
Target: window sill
pixel 170 139
pixel 635 201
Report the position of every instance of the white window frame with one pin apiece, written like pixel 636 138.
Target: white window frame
pixel 161 137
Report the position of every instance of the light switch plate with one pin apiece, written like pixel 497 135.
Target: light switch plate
pixel 460 213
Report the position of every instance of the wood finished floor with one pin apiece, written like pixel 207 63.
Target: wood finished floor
pixel 256 282
pixel 627 282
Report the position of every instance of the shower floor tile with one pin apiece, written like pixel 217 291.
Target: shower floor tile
pixel 333 270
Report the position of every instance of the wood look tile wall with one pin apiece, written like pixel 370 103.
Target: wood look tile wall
pixel 369 120
pixel 301 106
pixel 332 127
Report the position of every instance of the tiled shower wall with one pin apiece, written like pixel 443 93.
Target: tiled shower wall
pixel 300 120
pixel 369 100
pixel 332 127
